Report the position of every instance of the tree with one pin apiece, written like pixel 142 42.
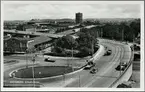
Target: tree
pixel 67 42
pixel 86 38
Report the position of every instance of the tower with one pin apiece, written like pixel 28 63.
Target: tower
pixel 79 18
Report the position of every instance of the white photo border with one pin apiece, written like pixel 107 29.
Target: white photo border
pixel 79 89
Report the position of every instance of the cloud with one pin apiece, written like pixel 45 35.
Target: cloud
pixel 47 10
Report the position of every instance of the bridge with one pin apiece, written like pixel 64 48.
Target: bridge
pixel 31 33
pixel 67 32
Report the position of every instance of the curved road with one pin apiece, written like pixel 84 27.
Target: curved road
pixel 106 66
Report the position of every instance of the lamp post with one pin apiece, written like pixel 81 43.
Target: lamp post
pixel 26 58
pixel 64 75
pixel 33 60
pixel 72 59
pixel 79 80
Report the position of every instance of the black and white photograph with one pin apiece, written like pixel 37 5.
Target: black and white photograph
pixel 62 45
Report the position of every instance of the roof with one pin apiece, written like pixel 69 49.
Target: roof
pixel 39 40
pixel 6 38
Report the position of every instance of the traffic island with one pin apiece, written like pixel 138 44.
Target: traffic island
pixel 42 72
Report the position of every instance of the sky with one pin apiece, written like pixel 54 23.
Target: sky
pixel 47 10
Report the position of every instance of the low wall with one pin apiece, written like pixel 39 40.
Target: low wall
pixel 126 74
pixel 97 55
pixel 125 77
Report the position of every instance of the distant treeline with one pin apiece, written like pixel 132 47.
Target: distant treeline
pixel 127 30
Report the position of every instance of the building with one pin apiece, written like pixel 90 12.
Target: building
pixel 79 18
pixel 40 43
pixel 15 44
pixel 21 45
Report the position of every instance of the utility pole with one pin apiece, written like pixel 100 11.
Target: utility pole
pixel 92 48
pixel 120 50
pixel 123 34
pixel 120 64
pixel 33 60
pixel 64 75
pixel 79 80
pixel 133 44
pixel 101 32
pixel 26 59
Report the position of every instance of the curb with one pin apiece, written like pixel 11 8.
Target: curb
pixel 59 76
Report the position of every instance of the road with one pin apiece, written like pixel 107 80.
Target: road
pixel 106 66
pixel 67 32
pixel 34 33
pixel 48 34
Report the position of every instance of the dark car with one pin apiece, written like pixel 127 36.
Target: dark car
pixel 124 64
pixel 88 67
pixel 108 52
pixel 121 66
pixel 124 86
pixel 93 71
pixel 48 60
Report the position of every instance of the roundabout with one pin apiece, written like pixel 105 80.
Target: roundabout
pixel 41 72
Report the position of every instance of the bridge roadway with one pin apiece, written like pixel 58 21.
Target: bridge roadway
pixel 30 33
pixel 47 34
pixel 106 65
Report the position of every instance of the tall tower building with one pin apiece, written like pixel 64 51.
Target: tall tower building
pixel 79 18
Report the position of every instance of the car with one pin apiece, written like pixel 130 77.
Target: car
pixel 121 67
pixel 108 52
pixel 124 85
pixel 123 64
pixel 48 60
pixel 88 67
pixel 93 71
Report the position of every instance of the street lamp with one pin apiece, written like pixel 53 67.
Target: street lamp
pixel 120 50
pixel 79 80
pixel 72 60
pixel 26 58
pixel 33 60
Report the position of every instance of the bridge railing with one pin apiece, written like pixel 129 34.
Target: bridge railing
pixel 128 66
